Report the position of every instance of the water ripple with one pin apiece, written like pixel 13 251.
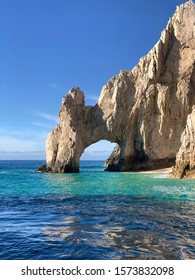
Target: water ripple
pixel 94 215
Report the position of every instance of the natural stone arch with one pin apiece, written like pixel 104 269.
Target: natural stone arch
pixel 143 110
pixel 80 126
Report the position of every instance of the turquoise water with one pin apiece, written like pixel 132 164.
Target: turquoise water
pixel 94 214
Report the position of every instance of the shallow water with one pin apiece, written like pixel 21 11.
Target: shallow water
pixel 94 214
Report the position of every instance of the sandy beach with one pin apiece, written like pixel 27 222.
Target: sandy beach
pixel 162 170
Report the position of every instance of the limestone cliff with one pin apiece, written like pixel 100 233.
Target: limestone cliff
pixel 144 111
pixel 185 160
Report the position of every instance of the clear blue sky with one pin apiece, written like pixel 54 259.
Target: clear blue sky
pixel 49 46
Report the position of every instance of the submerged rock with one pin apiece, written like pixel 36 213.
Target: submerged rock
pixel 144 111
pixel 44 168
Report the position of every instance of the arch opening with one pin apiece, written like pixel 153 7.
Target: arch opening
pixel 99 152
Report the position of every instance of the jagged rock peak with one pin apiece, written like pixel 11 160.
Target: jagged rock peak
pixel 74 96
pixel 144 111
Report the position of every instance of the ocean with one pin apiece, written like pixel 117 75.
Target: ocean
pixel 94 214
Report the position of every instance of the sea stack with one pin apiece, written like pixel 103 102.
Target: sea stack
pixel 147 111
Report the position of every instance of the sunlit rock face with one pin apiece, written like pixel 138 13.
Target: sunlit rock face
pixel 144 111
pixel 185 160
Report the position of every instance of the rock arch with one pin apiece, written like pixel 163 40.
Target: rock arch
pixel 143 110
pixel 80 126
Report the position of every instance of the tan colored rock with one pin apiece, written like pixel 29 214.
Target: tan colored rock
pixel 144 110
pixel 185 160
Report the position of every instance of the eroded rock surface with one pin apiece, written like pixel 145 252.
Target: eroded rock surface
pixel 185 160
pixel 144 111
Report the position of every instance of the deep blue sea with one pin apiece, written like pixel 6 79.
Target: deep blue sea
pixel 94 214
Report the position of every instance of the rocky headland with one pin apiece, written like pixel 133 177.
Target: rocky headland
pixel 148 111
